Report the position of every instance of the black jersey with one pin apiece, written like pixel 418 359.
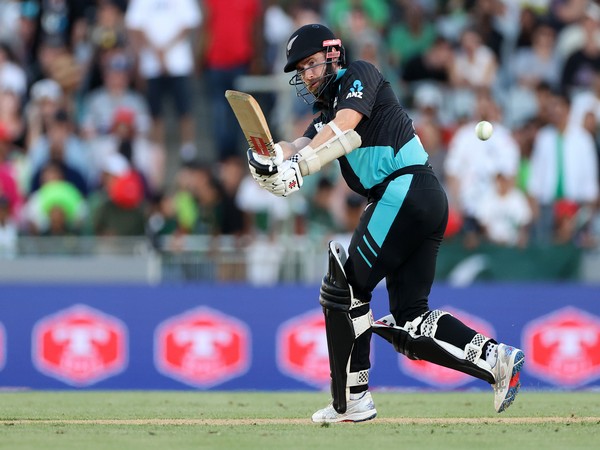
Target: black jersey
pixel 389 142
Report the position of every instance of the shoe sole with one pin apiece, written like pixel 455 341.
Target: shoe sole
pixel 514 383
pixel 350 419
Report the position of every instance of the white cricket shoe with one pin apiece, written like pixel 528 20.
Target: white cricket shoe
pixel 506 373
pixel 357 411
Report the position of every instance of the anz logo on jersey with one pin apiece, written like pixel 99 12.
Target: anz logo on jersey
pixel 355 90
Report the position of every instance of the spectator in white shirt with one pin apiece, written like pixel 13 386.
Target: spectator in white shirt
pixel 162 31
pixel 504 213
pixel 471 164
pixel 564 166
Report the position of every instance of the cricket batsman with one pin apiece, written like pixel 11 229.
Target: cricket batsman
pixel 398 237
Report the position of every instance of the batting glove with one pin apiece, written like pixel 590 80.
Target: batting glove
pixel 286 181
pixel 264 165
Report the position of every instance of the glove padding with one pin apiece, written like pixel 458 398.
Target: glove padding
pixel 264 165
pixel 284 182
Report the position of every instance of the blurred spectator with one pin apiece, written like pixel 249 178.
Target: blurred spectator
pixel 12 117
pixel 61 19
pixel 475 65
pixel 62 146
pixel 320 220
pixel 102 103
pixel 8 230
pixel 12 75
pixel 504 213
pixel 580 64
pixel 162 33
pixel 230 174
pixel 564 166
pixel 573 37
pixel 25 40
pixel 338 12
pixel 528 20
pixel 183 203
pixel 107 38
pixel 565 12
pixel 56 61
pixel 9 20
pixel 538 62
pixel 45 100
pixel 353 208
pixel 215 209
pixel 278 25
pixel 231 46
pixel 524 134
pixel 431 126
pixel 585 109
pixel 410 37
pixel 122 211
pixel 471 165
pixel 264 213
pixel 484 19
pixel 57 203
pixel 530 67
pixel 433 65
pixel 9 182
pixel 143 155
pixel 543 97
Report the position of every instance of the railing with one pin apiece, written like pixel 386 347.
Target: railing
pixel 258 260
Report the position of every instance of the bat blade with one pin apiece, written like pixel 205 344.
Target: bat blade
pixel 252 122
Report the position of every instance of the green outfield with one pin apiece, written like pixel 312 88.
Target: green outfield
pixel 281 420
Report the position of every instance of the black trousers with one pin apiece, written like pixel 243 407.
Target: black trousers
pixel 398 239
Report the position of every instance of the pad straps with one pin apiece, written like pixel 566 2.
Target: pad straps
pixel 342 137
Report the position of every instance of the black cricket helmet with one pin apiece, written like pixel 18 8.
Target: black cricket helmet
pixel 311 39
pixel 306 41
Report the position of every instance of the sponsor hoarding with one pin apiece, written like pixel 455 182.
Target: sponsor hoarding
pixel 271 338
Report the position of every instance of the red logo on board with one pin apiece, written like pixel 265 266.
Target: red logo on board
pixel 80 346
pixel 441 376
pixel 302 348
pixel 563 347
pixel 202 347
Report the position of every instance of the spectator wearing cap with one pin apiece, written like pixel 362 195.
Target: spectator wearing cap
pixel 62 146
pixel 162 34
pixel 45 99
pixel 118 209
pixel 145 156
pixel 101 104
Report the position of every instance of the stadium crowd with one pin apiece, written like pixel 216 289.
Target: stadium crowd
pixel 87 89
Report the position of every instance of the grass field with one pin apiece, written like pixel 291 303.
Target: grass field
pixel 259 420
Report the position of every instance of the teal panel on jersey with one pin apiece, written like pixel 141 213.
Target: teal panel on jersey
pixel 373 164
pixel 387 208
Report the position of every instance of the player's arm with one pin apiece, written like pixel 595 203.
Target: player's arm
pixel 330 143
pixel 345 119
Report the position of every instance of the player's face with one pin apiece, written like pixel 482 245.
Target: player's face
pixel 312 71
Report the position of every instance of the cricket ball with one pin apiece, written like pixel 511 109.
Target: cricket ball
pixel 484 130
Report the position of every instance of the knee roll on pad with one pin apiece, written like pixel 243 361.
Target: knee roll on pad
pixel 341 328
pixel 417 340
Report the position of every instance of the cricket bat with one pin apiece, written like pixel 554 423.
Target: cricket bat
pixel 252 121
pixel 256 130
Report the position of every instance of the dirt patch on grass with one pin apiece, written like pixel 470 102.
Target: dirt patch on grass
pixel 306 421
